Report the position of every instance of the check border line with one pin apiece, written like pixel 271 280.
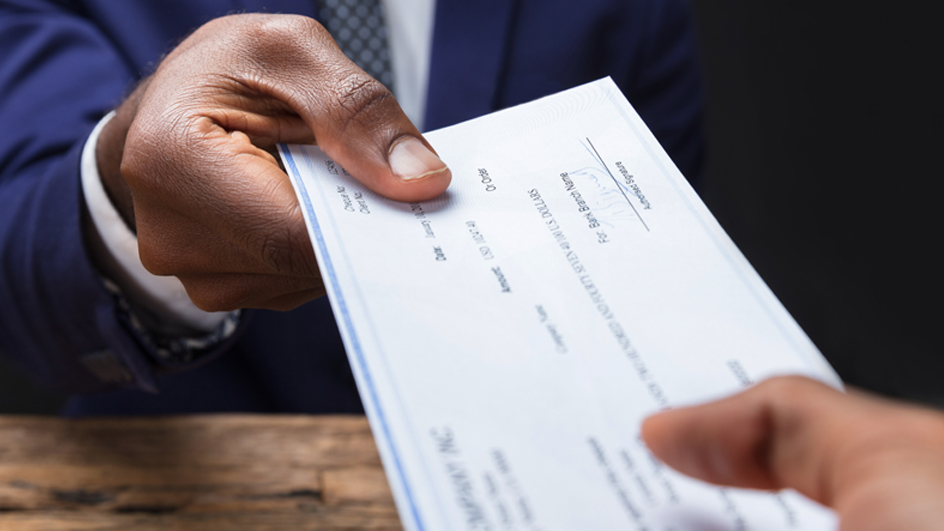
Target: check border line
pixel 349 324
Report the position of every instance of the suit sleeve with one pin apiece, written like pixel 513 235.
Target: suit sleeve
pixel 59 74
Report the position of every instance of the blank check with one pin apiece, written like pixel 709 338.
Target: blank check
pixel 509 336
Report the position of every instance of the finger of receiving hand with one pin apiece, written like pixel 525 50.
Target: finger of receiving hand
pixel 783 433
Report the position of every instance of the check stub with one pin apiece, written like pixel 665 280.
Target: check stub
pixel 509 336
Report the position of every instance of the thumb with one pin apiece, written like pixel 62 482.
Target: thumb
pixel 378 145
pixel 783 433
pixel 357 122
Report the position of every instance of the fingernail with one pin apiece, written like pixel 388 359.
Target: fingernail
pixel 410 160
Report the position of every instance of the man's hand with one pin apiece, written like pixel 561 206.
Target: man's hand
pixel 188 160
pixel 878 463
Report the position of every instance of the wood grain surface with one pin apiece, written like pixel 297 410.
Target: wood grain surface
pixel 243 472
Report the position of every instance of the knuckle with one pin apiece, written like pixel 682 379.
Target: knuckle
pixel 275 252
pixel 133 157
pixel 284 253
pixel 361 99
pixel 157 261
pixel 279 36
pixel 215 296
pixel 268 244
pixel 305 263
pixel 276 234
pixel 221 292
pixel 159 144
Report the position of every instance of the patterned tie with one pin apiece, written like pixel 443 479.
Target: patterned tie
pixel 359 29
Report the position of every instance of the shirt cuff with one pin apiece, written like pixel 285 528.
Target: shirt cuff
pixel 164 296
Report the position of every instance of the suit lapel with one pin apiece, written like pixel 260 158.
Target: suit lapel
pixel 469 50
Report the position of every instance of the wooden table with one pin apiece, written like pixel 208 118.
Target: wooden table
pixel 240 472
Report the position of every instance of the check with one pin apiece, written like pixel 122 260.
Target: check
pixel 509 336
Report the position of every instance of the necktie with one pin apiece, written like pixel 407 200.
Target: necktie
pixel 359 29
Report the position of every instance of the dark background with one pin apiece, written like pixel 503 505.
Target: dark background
pixel 824 126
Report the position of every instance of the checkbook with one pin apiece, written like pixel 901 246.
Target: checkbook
pixel 509 337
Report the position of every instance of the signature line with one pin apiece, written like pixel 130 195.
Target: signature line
pixel 618 185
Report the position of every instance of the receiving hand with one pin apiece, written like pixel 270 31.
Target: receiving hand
pixel 878 463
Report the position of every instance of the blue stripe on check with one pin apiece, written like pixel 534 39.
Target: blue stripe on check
pixel 349 326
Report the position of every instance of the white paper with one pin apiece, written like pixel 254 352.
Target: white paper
pixel 509 336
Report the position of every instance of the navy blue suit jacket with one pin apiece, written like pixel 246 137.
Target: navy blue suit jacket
pixel 65 63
